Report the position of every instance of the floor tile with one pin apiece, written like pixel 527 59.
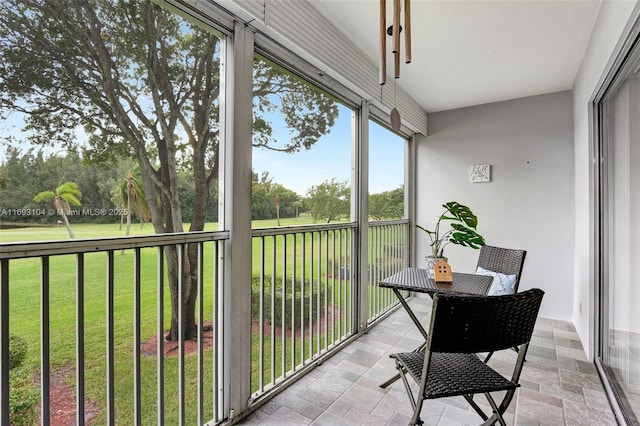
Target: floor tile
pixel 559 385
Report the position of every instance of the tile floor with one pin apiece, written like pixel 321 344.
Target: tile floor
pixel 559 385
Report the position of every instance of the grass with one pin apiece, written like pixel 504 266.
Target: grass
pixel 106 230
pixel 25 321
pixel 25 302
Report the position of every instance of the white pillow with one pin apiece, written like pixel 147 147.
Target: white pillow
pixel 502 283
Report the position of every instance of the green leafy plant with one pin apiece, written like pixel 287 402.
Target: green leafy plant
pixel 23 397
pixel 292 304
pixel 17 351
pixel 463 229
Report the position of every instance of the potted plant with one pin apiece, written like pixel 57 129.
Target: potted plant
pixel 463 225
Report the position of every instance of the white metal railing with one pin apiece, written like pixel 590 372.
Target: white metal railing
pixel 388 253
pixel 140 277
pixel 304 291
pixel 304 298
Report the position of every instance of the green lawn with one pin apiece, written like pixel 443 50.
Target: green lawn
pixel 25 322
pixel 107 230
pixel 25 295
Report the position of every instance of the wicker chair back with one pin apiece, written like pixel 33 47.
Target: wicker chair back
pixel 472 324
pixel 503 260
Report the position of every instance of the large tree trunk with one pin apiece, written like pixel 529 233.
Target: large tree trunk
pixel 189 291
pixel 190 266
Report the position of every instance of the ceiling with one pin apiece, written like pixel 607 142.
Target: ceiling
pixel 475 51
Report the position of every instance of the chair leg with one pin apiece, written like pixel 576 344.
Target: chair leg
pixel 496 410
pixel 475 406
pixel 415 419
pixel 486 360
pixel 416 403
pixel 393 379
pixel 390 381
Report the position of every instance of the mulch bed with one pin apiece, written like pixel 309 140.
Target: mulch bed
pixel 63 400
pixel 63 397
pixel 150 346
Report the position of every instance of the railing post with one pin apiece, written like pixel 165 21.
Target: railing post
pixel 45 368
pixel 80 337
pixel 4 342
pixel 137 373
pixel 160 336
pixel 110 340
pixel 200 312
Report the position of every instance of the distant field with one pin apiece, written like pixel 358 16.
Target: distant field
pixel 84 230
pixel 106 230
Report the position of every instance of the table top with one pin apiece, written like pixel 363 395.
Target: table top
pixel 415 279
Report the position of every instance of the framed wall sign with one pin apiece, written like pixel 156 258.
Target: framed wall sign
pixel 481 173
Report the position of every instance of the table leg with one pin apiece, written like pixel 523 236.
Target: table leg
pixel 415 320
pixel 413 317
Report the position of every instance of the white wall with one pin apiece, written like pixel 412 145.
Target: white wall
pixel 608 31
pixel 529 202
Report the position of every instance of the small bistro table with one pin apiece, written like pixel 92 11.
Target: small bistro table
pixel 416 280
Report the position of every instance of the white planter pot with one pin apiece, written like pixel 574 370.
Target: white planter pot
pixel 430 262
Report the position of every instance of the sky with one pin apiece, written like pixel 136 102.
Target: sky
pixel 331 157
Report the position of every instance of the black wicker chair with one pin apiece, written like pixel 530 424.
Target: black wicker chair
pixel 503 260
pixel 460 327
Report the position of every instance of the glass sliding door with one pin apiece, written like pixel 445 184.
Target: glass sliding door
pixel 619 343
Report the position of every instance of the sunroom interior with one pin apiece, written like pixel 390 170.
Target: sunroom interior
pixel 541 94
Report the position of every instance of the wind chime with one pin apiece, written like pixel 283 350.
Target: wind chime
pixel 394 31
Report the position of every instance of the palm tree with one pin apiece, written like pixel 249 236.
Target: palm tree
pixel 297 204
pixel 133 200
pixel 65 196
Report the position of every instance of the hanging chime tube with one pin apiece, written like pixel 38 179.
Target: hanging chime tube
pixel 396 38
pixel 382 77
pixel 407 31
pixel 396 26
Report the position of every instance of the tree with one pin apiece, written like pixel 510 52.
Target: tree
pixel 261 204
pixel 297 205
pixel 287 199
pixel 142 83
pixel 132 198
pixel 264 193
pixel 18 171
pixel 26 173
pixel 329 200
pixel 64 196
pixel 387 204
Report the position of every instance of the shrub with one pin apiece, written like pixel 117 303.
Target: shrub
pixel 23 398
pixel 17 351
pixel 291 301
